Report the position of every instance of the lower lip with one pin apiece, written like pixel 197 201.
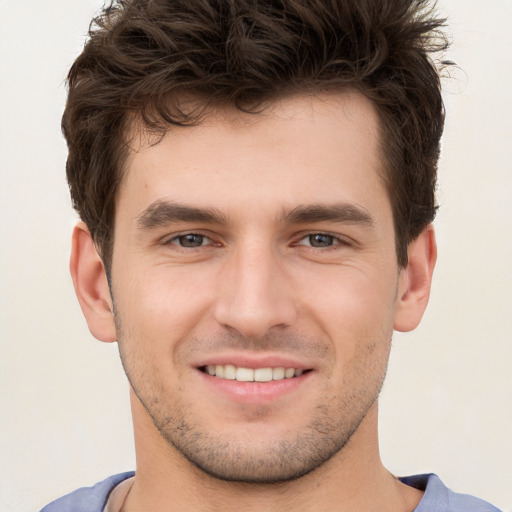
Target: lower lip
pixel 254 392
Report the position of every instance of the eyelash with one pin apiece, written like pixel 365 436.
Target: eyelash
pixel 336 241
pixel 175 240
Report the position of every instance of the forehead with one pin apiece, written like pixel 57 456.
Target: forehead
pixel 299 150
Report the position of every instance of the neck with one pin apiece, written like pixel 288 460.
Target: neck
pixel 353 479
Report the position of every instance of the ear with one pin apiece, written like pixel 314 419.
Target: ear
pixel 91 285
pixel 415 280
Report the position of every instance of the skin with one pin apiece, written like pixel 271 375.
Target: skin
pixel 289 261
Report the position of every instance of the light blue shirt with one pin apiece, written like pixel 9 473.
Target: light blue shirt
pixel 437 497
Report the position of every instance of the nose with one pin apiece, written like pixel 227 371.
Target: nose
pixel 255 293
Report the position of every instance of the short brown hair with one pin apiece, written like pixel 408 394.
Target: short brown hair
pixel 142 56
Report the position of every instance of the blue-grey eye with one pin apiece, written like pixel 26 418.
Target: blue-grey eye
pixel 190 240
pixel 320 240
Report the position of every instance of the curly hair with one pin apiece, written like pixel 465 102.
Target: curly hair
pixel 144 56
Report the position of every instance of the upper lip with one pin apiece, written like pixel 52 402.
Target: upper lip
pixel 254 361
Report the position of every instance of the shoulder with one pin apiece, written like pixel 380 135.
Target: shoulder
pixel 438 498
pixel 87 499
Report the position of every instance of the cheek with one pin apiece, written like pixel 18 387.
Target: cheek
pixel 159 308
pixel 354 308
pixel 349 291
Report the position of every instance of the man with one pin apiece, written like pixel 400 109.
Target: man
pixel 256 185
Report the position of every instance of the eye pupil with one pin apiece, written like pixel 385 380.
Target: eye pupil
pixel 320 240
pixel 191 240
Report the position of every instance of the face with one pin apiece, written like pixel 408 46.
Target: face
pixel 254 279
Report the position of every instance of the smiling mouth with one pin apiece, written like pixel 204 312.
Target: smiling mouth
pixel 240 374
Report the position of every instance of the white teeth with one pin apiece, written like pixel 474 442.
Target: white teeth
pixel 289 373
pixel 219 371
pixel 244 374
pixel 241 374
pixel 230 372
pixel 278 373
pixel 263 374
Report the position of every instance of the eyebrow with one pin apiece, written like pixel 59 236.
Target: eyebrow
pixel 342 213
pixel 161 213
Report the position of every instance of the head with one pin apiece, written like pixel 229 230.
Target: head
pixel 164 64
pixel 258 179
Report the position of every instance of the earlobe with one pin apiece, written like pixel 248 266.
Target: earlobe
pixel 415 281
pixel 91 286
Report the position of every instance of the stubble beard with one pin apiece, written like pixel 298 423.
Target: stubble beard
pixel 333 422
pixel 277 461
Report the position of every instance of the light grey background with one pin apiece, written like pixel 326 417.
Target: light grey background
pixel 447 404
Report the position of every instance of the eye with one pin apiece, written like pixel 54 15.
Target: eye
pixel 190 240
pixel 320 240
